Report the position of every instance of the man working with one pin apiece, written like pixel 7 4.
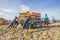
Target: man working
pixel 46 20
pixel 14 23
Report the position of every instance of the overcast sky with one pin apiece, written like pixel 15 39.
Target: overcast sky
pixel 11 8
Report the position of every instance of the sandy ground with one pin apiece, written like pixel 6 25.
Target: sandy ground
pixel 50 33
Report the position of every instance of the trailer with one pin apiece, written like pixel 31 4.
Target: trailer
pixel 36 16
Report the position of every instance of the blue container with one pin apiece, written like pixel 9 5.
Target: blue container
pixel 38 22
pixel 38 18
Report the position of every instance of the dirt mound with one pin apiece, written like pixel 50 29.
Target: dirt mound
pixel 52 33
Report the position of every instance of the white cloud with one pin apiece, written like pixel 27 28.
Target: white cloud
pixel 2 14
pixel 24 8
pixel 8 13
pixel 9 10
pixel 6 16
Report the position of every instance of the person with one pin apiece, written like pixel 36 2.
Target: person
pixel 46 20
pixel 22 22
pixel 53 20
pixel 26 23
pixel 14 23
pixel 33 23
